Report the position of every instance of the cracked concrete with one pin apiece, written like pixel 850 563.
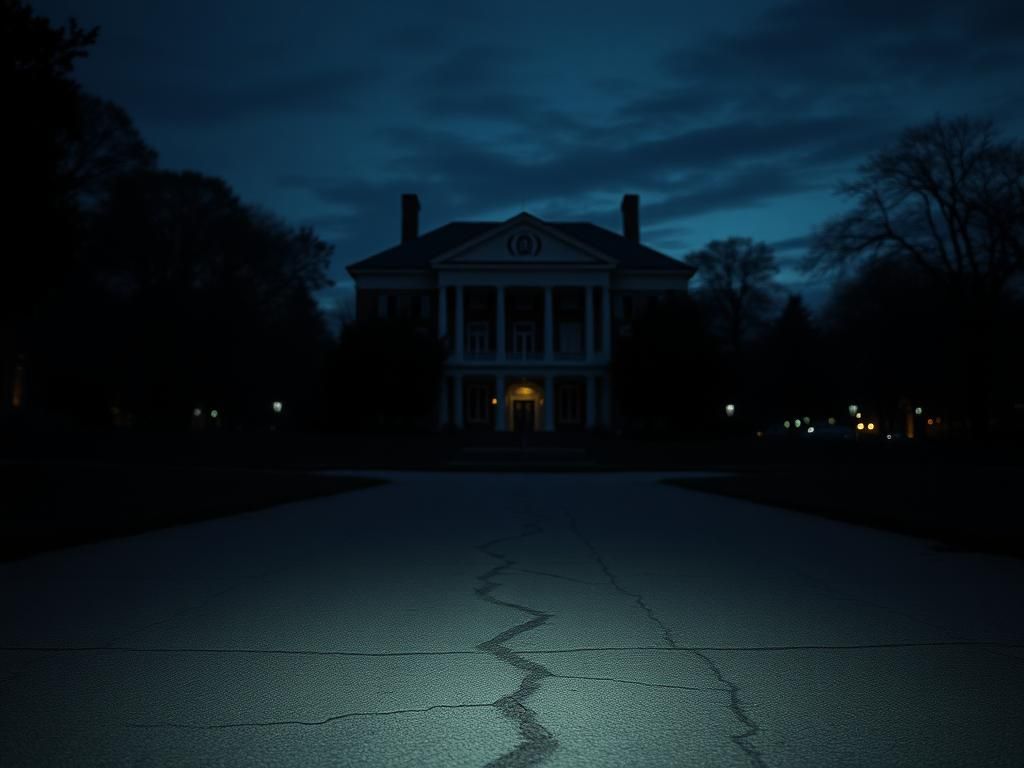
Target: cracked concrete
pixel 605 620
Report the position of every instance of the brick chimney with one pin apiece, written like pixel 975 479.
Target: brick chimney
pixel 410 217
pixel 631 217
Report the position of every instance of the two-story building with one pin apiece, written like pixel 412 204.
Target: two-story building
pixel 530 311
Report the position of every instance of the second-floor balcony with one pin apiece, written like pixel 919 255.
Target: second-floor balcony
pixel 499 324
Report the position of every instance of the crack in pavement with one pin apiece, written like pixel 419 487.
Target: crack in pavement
pixel 769 648
pixel 537 742
pixel 325 721
pixel 557 576
pixel 637 682
pixel 255 651
pixel 735 705
pixel 530 651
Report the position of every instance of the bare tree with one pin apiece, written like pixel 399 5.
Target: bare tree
pixel 738 287
pixel 949 197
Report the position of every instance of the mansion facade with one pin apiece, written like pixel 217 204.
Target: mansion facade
pixel 530 311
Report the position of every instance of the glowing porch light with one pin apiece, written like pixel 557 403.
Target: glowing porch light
pixel 730 410
pixel 494 401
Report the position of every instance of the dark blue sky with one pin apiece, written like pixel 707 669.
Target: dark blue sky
pixel 728 118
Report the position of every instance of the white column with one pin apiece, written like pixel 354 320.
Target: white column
pixel 459 329
pixel 442 311
pixel 549 325
pixel 606 324
pixel 499 327
pixel 588 322
pixel 500 416
pixel 549 402
pixel 458 405
pixel 591 400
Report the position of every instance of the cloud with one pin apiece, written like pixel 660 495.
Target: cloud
pixel 316 92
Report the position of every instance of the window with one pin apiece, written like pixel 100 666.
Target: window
pixel 522 339
pixel 570 338
pixel 477 339
pixel 478 404
pixel 569 403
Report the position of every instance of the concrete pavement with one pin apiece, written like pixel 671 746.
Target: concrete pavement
pixel 477 619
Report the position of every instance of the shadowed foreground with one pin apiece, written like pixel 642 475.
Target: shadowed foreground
pixel 510 620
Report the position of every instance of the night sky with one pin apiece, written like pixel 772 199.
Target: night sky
pixel 728 118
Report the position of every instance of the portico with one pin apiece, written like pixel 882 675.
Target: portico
pixel 526 309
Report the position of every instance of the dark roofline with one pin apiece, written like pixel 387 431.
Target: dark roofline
pixel 417 255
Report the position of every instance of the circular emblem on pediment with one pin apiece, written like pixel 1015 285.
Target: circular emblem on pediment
pixel 524 244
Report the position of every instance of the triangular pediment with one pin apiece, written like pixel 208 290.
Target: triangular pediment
pixel 520 241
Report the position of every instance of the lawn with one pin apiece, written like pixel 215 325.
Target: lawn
pixel 961 507
pixel 47 505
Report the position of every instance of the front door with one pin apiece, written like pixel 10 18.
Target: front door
pixel 522 415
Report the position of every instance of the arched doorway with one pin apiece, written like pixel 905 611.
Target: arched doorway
pixel 524 400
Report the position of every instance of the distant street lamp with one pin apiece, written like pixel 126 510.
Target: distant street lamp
pixel 277 406
pixel 730 410
pixel 853 409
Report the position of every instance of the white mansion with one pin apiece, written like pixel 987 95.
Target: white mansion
pixel 530 311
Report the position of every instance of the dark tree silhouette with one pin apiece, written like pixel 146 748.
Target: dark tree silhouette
pixel 42 116
pixel 106 147
pixel 208 300
pixel 384 375
pixel 948 198
pixel 792 370
pixel 737 287
pixel 667 375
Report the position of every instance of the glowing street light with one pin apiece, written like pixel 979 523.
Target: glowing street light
pixel 853 409
pixel 730 410
pixel 860 426
pixel 918 411
pixel 197 412
pixel 277 406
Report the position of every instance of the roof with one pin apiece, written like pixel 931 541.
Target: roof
pixel 418 253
